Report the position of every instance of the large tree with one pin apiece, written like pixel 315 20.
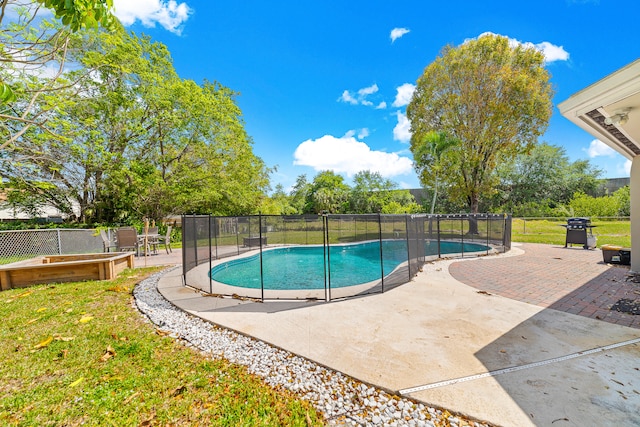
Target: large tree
pixel 371 193
pixel 327 193
pixel 79 14
pixel 138 140
pixel 491 96
pixel 428 153
pixel 299 194
pixel 33 57
pixel 545 175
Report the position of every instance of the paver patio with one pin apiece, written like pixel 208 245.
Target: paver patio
pixel 571 279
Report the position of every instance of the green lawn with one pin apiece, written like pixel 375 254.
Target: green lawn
pixel 551 232
pixel 79 353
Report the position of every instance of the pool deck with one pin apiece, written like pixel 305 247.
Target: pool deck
pixel 524 338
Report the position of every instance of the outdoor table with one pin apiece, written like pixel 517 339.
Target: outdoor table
pixel 152 239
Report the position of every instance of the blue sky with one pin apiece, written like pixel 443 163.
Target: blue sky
pixel 324 84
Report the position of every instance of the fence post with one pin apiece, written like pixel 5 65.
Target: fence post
pixel 504 233
pixel 489 228
pixel 325 252
pixel 462 232
pixel 381 257
pixel 329 259
pixel 215 234
pixel 238 234
pixel 195 238
pixel 406 234
pixel 210 256
pixel 261 270
pixel 59 241
pixel 184 250
pixel 438 229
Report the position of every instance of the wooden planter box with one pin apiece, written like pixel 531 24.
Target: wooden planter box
pixel 64 268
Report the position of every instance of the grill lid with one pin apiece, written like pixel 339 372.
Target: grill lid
pixel 579 221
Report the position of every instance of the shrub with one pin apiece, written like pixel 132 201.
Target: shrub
pixel 584 205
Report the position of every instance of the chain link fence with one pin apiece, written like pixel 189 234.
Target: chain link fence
pixel 24 244
pixel 329 256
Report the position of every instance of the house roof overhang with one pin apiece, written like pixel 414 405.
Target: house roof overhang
pixel 593 107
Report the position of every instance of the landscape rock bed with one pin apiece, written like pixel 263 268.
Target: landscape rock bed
pixel 343 400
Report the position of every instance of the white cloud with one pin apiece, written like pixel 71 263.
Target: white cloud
pixel 362 133
pixel 625 168
pixel 598 148
pixel 404 94
pixel 361 97
pixel 396 33
pixel 368 90
pixel 349 156
pixel 381 106
pixel 346 97
pixel 402 130
pixel 169 14
pixel 550 51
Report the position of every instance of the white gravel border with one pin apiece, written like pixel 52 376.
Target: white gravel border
pixel 342 400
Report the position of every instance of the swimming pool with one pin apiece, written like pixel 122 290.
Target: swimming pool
pixel 304 267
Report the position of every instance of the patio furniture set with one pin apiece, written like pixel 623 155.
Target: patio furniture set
pixel 128 239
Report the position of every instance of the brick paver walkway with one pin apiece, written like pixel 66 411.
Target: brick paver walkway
pixel 573 280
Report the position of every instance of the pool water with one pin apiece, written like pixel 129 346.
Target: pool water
pixel 303 267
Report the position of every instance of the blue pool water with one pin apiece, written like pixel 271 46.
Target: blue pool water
pixel 302 267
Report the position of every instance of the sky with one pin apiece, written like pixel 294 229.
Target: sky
pixel 324 85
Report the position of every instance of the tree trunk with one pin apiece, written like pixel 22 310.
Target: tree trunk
pixel 473 203
pixel 435 194
pixel 473 222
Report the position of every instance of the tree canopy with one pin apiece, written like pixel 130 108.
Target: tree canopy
pixel 428 154
pixel 545 174
pixel 328 192
pixel 47 44
pixel 128 138
pixel 494 98
pixel 79 14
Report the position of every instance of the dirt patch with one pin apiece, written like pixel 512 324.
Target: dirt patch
pixel 625 305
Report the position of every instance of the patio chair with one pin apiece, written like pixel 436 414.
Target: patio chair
pixel 106 243
pixel 166 239
pixel 127 239
pixel 152 239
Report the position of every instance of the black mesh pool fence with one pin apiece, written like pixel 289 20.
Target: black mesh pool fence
pixel 327 257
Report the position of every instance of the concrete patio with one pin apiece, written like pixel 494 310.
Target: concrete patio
pixel 507 346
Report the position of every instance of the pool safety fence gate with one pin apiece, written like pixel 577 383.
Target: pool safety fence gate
pixel 17 245
pixel 395 248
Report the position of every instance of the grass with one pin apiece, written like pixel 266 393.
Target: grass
pixel 551 232
pixel 79 353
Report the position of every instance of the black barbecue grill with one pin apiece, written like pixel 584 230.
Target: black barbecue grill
pixel 580 232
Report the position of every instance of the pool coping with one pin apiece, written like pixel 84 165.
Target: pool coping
pixel 200 275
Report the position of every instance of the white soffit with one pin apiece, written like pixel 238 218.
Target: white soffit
pixel 616 93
